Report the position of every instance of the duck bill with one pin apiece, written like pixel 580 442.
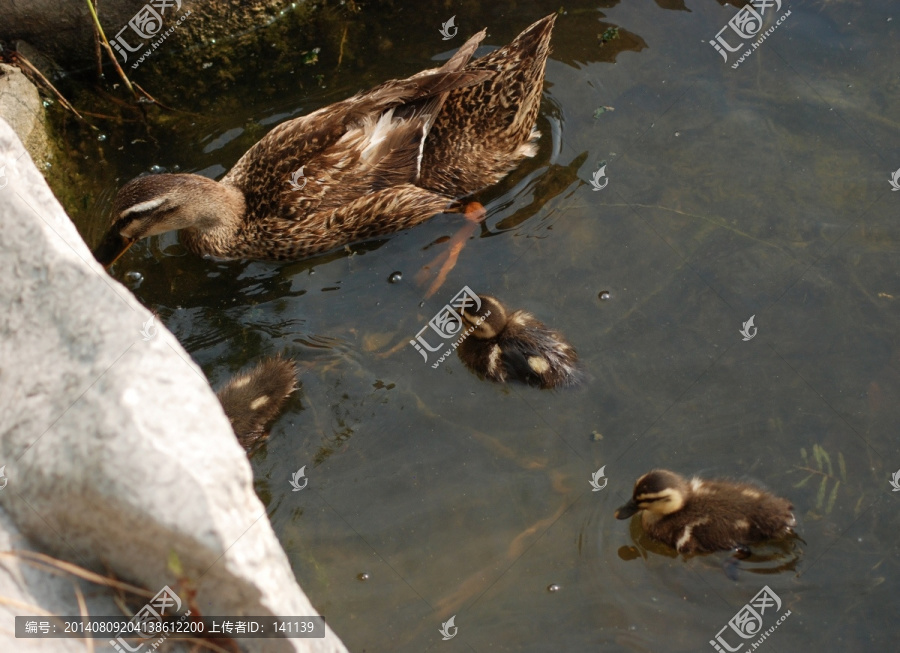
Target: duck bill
pixel 627 510
pixel 111 248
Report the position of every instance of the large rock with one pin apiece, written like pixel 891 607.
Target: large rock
pixel 30 589
pixel 21 107
pixel 116 449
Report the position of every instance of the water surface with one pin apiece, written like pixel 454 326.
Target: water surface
pixel 758 191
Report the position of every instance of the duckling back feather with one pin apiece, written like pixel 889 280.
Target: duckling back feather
pixel 253 399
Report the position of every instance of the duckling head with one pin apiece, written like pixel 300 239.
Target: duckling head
pixel 155 204
pixel 489 320
pixel 659 492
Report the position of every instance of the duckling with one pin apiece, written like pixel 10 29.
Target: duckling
pixel 376 163
pixel 503 346
pixel 700 516
pixel 252 400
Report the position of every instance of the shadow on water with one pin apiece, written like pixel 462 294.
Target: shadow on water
pixel 757 191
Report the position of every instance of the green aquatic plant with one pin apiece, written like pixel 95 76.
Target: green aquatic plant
pixel 820 466
pixel 608 35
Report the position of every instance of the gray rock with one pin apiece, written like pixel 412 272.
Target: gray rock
pixel 30 589
pixel 21 107
pixel 116 449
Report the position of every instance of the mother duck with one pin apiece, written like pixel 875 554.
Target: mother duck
pixel 373 164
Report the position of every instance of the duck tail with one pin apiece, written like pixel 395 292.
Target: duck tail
pixel 519 80
pixel 491 122
pixel 253 399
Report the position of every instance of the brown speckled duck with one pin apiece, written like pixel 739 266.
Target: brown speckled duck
pixel 253 399
pixel 503 346
pixel 378 162
pixel 700 516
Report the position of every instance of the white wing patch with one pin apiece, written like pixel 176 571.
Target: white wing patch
pixel 376 133
pixel 685 537
pixel 494 359
pixel 539 364
pixel 259 402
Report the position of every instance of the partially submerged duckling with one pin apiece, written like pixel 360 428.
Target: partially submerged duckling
pixel 699 516
pixel 506 346
pixel 252 400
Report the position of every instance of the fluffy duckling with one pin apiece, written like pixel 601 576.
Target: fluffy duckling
pixel 252 400
pixel 699 516
pixel 502 346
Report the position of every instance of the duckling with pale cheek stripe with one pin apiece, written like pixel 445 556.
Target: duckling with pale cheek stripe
pixel 699 516
pixel 516 346
pixel 252 400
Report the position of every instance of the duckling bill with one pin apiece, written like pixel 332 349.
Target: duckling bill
pixel 702 516
pixel 376 163
pixel 503 346
pixel 252 400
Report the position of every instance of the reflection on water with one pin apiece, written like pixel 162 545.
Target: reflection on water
pixel 760 191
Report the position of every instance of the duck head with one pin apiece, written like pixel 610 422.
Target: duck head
pixel 155 204
pixel 489 320
pixel 659 492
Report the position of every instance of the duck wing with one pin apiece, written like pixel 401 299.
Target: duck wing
pixel 365 143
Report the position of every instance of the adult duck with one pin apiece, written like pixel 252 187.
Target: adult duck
pixel 373 164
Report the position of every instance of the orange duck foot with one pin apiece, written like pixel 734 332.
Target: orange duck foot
pixel 475 214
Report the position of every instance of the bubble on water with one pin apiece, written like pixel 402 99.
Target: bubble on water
pixel 134 279
pixel 47 103
pixel 395 277
pixel 363 576
pixel 101 137
pixel 604 295
pixel 553 588
pixel 155 170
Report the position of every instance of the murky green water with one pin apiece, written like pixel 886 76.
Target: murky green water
pixel 758 191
